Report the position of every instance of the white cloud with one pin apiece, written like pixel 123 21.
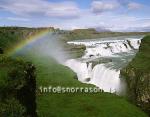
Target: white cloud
pixel 102 6
pixel 117 22
pixel 41 8
pixel 64 10
pixel 41 13
pixel 133 5
pixel 18 19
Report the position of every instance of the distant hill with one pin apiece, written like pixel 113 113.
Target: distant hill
pixel 102 29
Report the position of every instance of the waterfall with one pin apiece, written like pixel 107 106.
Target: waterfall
pixel 82 69
pixel 109 47
pixel 105 78
pixel 103 75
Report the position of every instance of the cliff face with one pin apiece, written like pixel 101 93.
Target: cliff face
pixel 137 75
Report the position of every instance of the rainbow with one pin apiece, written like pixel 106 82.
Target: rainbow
pixel 30 39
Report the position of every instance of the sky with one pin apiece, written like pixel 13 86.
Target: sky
pixel 114 15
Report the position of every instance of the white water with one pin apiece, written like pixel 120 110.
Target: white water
pixel 104 75
pixel 105 78
pixel 82 69
pixel 109 47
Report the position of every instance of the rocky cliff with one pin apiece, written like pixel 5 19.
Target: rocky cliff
pixel 137 75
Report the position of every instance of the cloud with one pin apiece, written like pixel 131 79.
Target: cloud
pixel 118 22
pixel 112 14
pixel 130 5
pixel 134 5
pixel 41 8
pixel 64 10
pixel 123 2
pixel 102 6
pixel 18 19
pixel 99 6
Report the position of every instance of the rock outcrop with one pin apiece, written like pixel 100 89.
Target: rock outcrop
pixel 137 75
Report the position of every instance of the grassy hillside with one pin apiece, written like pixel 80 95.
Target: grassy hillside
pixel 9 36
pixel 142 59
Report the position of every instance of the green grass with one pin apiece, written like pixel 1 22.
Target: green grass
pixel 49 72
pixel 142 59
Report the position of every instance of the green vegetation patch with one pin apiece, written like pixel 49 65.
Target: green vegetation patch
pixel 17 88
